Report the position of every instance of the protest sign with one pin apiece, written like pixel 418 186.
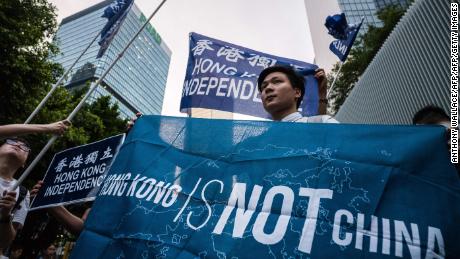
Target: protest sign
pixel 198 188
pixel 223 76
pixel 76 174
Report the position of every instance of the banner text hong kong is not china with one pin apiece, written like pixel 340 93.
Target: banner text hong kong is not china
pixel 197 188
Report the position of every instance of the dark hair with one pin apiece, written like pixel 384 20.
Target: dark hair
pixel 296 80
pixel 430 115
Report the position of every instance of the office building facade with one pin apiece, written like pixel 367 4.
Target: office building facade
pixel 410 71
pixel 356 9
pixel 137 81
pixel 317 11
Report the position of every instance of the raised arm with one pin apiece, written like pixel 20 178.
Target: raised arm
pixel 22 129
pixel 71 222
pixel 320 75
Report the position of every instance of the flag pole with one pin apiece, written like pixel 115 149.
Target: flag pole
pixel 333 82
pixel 53 88
pixel 82 102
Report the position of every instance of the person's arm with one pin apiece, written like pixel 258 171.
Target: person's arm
pixel 320 75
pixel 7 230
pixel 71 222
pixel 23 129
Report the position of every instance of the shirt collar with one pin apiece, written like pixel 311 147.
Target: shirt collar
pixel 292 117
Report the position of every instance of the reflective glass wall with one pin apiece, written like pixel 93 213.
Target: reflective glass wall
pixel 137 82
pixel 355 9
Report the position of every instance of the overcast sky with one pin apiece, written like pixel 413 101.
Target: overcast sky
pixel 277 27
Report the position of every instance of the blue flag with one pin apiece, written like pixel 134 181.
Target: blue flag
pixel 223 76
pixel 116 14
pixel 342 47
pixel 200 188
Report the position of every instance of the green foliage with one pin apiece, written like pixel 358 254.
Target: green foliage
pixel 365 48
pixel 26 75
pixel 25 69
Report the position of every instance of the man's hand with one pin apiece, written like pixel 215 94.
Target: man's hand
pixel 132 121
pixel 7 203
pixel 59 127
pixel 320 75
pixel 36 189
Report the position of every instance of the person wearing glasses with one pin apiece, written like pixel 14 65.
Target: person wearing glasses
pixel 22 129
pixel 13 156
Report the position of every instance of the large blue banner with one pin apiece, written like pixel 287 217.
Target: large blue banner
pixel 197 188
pixel 76 174
pixel 223 76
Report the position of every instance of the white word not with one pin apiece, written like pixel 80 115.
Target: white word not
pixel 244 215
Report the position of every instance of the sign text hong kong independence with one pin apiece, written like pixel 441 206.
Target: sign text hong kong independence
pixel 76 174
pixel 223 76
pixel 197 188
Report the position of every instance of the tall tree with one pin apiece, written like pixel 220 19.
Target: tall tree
pixel 25 70
pixel 361 55
pixel 26 74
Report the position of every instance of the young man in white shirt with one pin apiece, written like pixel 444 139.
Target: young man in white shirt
pixel 282 90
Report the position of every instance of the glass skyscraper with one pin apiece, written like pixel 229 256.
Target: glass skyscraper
pixel 410 71
pixel 137 82
pixel 356 9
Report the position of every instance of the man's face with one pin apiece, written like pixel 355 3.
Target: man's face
pixel 51 250
pixel 278 94
pixel 15 149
